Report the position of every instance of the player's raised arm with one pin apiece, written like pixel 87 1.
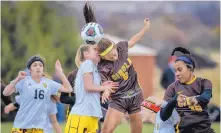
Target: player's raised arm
pixel 140 34
pixel 9 89
pixel 66 87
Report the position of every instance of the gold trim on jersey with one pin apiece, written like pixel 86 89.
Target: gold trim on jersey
pixel 106 51
pixel 191 81
pixel 177 127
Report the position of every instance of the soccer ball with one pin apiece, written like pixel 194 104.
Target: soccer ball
pixel 92 33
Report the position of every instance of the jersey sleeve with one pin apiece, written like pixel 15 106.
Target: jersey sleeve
pixel 123 45
pixel 87 66
pixel 170 92
pixel 206 94
pixel 207 84
pixel 19 85
pixel 54 86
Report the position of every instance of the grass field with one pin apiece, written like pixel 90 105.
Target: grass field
pixel 123 128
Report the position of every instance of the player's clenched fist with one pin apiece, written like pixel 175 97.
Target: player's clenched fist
pixel 21 75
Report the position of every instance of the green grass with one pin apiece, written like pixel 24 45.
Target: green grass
pixel 123 128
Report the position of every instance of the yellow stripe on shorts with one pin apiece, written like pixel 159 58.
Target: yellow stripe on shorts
pixel 32 130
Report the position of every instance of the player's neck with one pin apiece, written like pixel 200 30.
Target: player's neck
pixel 191 79
pixel 37 79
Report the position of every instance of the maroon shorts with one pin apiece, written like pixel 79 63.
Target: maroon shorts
pixel 129 105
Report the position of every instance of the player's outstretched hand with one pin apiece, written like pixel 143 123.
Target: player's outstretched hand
pixel 21 75
pixel 146 23
pixel 58 67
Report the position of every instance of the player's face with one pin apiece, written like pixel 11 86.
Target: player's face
pixel 93 53
pixel 37 68
pixel 112 55
pixel 182 72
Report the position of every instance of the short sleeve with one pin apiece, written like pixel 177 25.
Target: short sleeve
pixel 123 45
pixel 17 99
pixel 54 86
pixel 19 85
pixel 207 84
pixel 170 92
pixel 87 66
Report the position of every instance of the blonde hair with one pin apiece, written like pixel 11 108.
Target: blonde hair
pixel 79 58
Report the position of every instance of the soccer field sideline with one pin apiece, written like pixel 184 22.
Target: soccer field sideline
pixel 123 128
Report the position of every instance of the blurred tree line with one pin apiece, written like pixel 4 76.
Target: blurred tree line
pixel 30 28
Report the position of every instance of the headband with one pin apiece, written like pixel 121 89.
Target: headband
pixel 33 59
pixel 185 59
pixel 106 51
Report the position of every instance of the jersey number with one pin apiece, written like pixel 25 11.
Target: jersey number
pixel 39 94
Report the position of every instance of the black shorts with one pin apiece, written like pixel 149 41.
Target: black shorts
pixel 127 105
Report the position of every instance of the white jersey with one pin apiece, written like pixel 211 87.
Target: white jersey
pixel 87 103
pixel 168 125
pixel 34 98
pixel 52 110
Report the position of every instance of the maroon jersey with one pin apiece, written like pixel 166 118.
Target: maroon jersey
pixel 194 119
pixel 121 71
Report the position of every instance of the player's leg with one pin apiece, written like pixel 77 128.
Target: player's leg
pixel 116 109
pixel 112 120
pixel 136 122
pixel 134 112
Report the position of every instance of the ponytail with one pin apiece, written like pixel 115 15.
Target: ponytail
pixel 89 13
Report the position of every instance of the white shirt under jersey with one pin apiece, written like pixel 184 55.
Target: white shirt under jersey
pixel 87 103
pixel 168 125
pixel 34 98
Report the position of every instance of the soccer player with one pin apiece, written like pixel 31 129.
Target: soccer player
pixel 86 112
pixel 35 92
pixel 161 113
pixel 116 66
pixel 197 91
pixel 52 111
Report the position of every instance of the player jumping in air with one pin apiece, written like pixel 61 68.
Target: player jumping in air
pixel 116 66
